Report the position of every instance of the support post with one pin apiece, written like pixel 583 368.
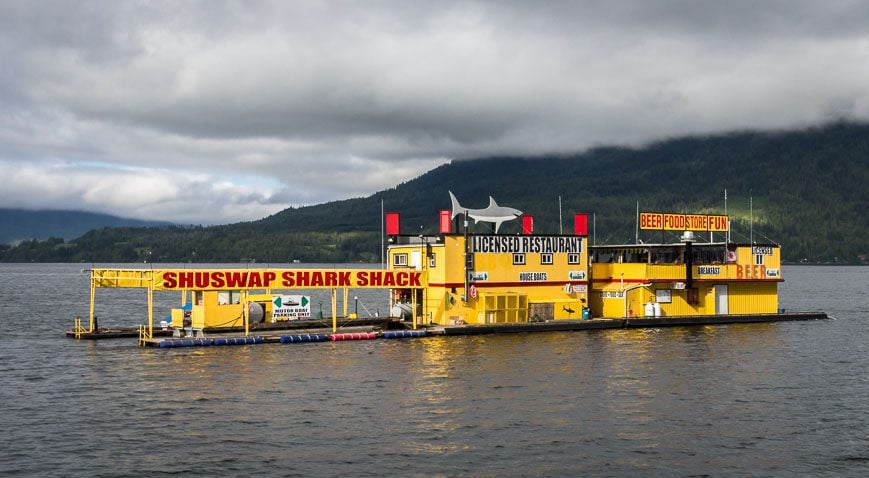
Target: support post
pixel 93 297
pixel 151 308
pixel 346 294
pixel 334 310
pixel 413 303
pixel 245 313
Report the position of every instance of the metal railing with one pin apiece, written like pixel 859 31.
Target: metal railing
pixel 144 335
pixel 78 328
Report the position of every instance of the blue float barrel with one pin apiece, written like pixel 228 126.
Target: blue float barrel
pixel 185 343
pixel 289 339
pixel 238 340
pixel 403 334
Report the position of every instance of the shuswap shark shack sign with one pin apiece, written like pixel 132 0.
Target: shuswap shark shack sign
pixel 230 279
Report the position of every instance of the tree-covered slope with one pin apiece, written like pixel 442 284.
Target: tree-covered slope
pixel 807 191
pixel 21 224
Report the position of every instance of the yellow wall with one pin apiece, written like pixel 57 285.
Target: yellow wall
pixel 443 299
pixel 617 290
pixel 753 298
pixel 229 315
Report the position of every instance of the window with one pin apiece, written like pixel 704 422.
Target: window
pixel 228 297
pixel 431 260
pixel 573 258
pixel 546 258
pixel 758 259
pixel 663 296
pixel 399 260
pixel 518 259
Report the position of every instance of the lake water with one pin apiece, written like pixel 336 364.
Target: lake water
pixel 782 399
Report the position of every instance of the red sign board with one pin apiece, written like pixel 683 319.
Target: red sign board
pixel 527 225
pixel 392 224
pixel 446 222
pixel 580 224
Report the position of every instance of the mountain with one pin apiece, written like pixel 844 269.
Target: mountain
pixel 21 224
pixel 803 189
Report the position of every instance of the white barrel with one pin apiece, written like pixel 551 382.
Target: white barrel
pixel 650 309
pixel 657 306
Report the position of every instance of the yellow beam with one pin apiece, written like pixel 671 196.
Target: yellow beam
pixel 346 293
pixel 246 313
pixel 93 298
pixel 150 312
pixel 334 310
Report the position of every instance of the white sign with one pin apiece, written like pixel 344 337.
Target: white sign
pixel 663 296
pixel 478 276
pixel 533 277
pixel 606 294
pixel 526 244
pixel 761 250
pixel 292 307
pixel 773 273
pixel 576 275
pixel 708 270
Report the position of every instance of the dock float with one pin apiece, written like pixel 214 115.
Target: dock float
pixel 296 339
pixel 550 326
pixel 259 328
pixel 626 323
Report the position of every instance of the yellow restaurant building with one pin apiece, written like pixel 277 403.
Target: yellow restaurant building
pixel 490 279
pixel 454 279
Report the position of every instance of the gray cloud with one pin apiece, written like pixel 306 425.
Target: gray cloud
pixel 212 112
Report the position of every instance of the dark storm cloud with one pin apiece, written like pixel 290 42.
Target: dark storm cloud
pixel 283 103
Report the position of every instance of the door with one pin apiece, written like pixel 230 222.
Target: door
pixel 721 299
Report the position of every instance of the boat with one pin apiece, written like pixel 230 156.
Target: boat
pixel 460 282
pixel 489 278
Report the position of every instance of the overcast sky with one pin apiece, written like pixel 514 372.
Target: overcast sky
pixel 213 112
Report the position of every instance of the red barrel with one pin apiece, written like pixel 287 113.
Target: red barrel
pixel 354 336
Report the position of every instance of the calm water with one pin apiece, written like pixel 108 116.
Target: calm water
pixel 786 399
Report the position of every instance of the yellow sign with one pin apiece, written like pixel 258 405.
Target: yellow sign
pixel 233 279
pixel 683 222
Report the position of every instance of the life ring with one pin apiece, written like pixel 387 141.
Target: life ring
pixel 731 256
pixel 473 292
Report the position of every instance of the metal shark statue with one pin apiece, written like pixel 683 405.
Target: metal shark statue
pixel 494 213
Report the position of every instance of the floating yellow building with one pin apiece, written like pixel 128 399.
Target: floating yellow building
pixel 457 279
pixel 493 279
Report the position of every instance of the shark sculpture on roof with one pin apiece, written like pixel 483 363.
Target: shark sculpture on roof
pixel 494 213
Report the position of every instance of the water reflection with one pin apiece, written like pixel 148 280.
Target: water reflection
pixel 766 399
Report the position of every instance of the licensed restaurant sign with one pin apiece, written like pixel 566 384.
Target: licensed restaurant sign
pixel 683 222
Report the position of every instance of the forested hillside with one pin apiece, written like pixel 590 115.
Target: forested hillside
pixel 21 224
pixel 807 190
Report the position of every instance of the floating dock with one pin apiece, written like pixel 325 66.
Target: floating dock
pixel 300 336
pixel 373 333
pixel 628 323
pixel 259 328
